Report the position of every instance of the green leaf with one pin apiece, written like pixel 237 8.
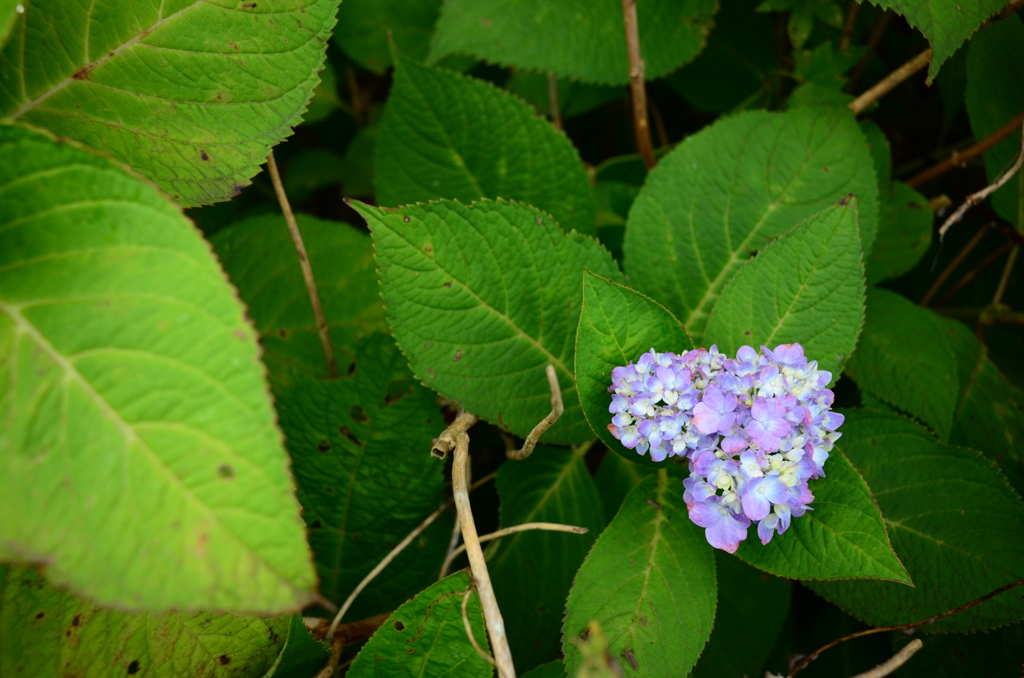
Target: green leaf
pixel 555 669
pixel 303 655
pixel 650 582
pixel 360 450
pixel 904 233
pixel 10 10
pixel 615 478
pixel 573 38
pixel 953 519
pixel 426 637
pixel 905 360
pixel 446 135
pixel 752 606
pixel 532 571
pixel 259 257
pixel 574 98
pixel 842 538
pixel 995 95
pixel 806 287
pixel 736 66
pixel 482 298
pixel 881 154
pixel 139 458
pixel 46 632
pixel 990 410
pixel 946 23
pixel 364 27
pixel 617 326
pixel 192 94
pixel 726 191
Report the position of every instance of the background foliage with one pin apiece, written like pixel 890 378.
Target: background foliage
pixel 186 486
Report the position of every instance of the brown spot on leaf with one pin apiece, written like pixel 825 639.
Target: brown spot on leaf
pixel 323 446
pixel 226 471
pixel 399 626
pixel 627 654
pixel 203 155
pixel 457 357
pixel 654 503
pixel 344 430
pixel 359 414
pixel 224 659
pixel 77 620
pixel 448 284
pixel 40 615
pixel 133 667
pixel 406 219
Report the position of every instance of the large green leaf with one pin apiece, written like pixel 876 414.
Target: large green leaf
pixel 193 94
pixel 953 519
pixel 904 358
pixel 650 582
pixel 904 233
pixel 259 257
pixel 946 23
pixel 842 538
pixel 360 450
pixel 364 27
pixel 304 655
pixel 139 459
pixel 46 632
pixel 426 637
pixel 617 326
pixel 446 135
pixel 753 606
pixel 482 298
pixel 990 410
pixel 726 191
pixel 995 95
pixel 806 287
pixel 573 38
pixel 532 571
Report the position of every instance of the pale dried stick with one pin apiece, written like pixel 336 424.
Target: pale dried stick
pixel 457 529
pixel 384 563
pixel 974 198
pixel 890 82
pixel 556 411
pixel 551 527
pixel 307 270
pixel 897 660
pixel 477 564
pixel 469 630
pixel 556 113
pixel 637 85
pixel 445 443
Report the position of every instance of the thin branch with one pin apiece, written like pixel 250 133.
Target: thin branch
pixel 637 85
pixel 469 630
pixel 952 266
pixel 557 407
pixel 897 660
pixel 350 632
pixel 556 113
pixel 973 273
pixel 453 543
pixel 552 527
pixel 890 82
pixel 1005 278
pixel 974 198
pixel 307 270
pixel 477 564
pixel 445 443
pixel 384 563
pixel 959 158
pixel 851 23
pixel 884 629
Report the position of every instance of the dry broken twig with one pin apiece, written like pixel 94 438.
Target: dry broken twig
pixel 896 661
pixel 557 407
pixel 469 629
pixel 974 198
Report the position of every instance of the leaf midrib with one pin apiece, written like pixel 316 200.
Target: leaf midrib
pixel 130 436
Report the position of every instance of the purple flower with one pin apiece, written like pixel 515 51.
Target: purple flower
pixel 714 413
pixel 768 425
pixel 759 495
pixel 722 528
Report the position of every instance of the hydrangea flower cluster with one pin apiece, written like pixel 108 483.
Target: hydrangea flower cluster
pixel 754 429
